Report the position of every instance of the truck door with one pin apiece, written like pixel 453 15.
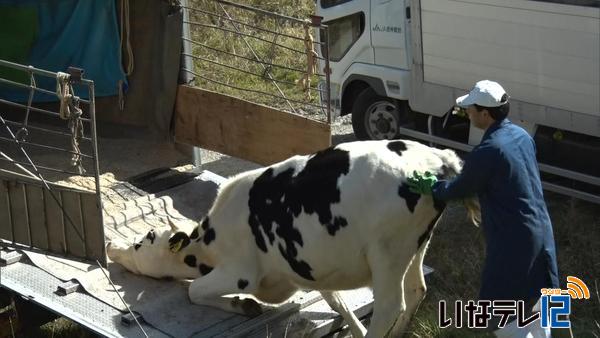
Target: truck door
pixel 388 33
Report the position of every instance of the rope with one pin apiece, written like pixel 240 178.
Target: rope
pixel 311 57
pixel 125 48
pixel 64 93
pixel 125 30
pixel 76 127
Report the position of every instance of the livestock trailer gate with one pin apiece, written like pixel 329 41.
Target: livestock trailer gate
pixel 58 210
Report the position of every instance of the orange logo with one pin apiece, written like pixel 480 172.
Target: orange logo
pixel 576 288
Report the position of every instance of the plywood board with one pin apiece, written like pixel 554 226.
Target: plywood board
pixel 73 221
pixel 54 219
pixel 243 129
pixel 5 217
pixel 92 221
pixel 37 216
pixel 18 211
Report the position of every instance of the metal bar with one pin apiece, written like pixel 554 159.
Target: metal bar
pixel 30 87
pixel 92 110
pixel 45 147
pixel 35 70
pixel 328 77
pixel 246 58
pixel 44 168
pixel 267 13
pixel 569 174
pixel 435 139
pixel 543 167
pixel 250 90
pixel 245 71
pixel 266 70
pixel 39 110
pixel 248 35
pixel 7 158
pixel 571 192
pixel 121 298
pixel 55 132
pixel 249 25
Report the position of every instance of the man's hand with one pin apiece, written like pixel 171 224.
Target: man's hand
pixel 421 184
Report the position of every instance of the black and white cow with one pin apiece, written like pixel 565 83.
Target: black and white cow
pixel 342 218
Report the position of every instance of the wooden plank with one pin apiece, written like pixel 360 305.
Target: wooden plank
pixel 243 129
pixel 18 211
pixel 5 217
pixel 54 219
pixel 37 216
pixel 73 221
pixel 92 222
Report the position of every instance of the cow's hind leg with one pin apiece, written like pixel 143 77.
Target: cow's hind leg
pixel 334 299
pixel 388 268
pixel 207 290
pixel 414 291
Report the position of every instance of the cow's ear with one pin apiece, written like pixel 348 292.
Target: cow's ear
pixel 178 241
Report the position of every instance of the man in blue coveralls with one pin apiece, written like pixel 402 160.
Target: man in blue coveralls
pixel 503 172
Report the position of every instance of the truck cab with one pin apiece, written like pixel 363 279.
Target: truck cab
pixel 397 67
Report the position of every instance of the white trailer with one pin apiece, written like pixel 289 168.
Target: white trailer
pixel 398 65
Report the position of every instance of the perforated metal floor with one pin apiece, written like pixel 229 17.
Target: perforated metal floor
pixel 40 287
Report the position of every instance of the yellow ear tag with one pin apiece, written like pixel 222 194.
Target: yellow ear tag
pixel 176 247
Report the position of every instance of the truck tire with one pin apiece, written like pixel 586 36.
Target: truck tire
pixel 375 117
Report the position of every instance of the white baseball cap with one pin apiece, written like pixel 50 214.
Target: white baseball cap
pixel 486 93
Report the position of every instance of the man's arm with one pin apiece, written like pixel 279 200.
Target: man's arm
pixel 476 172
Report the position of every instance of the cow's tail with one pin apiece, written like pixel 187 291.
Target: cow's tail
pixel 473 209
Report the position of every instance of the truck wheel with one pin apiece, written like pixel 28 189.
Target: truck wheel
pixel 375 117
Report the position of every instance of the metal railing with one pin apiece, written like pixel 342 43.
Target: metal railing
pixel 44 146
pixel 257 55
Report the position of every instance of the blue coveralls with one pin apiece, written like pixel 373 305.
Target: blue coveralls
pixel 520 251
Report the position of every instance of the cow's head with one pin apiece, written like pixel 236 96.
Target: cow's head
pixel 161 253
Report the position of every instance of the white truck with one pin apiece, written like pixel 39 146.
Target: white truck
pixel 398 65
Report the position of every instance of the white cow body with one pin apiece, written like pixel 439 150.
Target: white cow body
pixel 339 219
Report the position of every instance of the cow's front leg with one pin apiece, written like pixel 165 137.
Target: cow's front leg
pixel 210 289
pixel 335 300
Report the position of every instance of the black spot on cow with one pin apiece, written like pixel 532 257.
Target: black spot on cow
pixel 195 234
pixel 179 236
pixel 204 269
pixel 205 224
pixel 427 234
pixel 397 146
pixel 276 200
pixel 242 283
pixel 151 236
pixel 209 232
pixel 209 236
pixel 410 197
pixel 190 260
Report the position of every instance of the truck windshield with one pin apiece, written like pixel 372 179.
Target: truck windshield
pixel 343 33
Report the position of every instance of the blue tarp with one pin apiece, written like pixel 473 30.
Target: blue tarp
pixel 55 35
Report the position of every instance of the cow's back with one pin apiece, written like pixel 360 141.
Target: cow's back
pixel 309 215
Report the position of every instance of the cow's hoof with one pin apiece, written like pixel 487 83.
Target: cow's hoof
pixel 249 306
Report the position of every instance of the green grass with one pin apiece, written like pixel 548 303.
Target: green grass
pixel 248 47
